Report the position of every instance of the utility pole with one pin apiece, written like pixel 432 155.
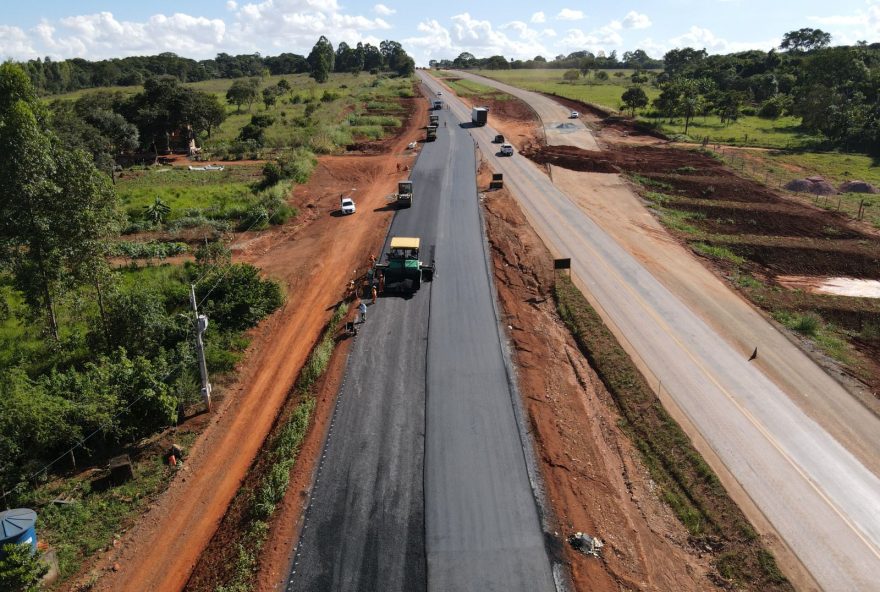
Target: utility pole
pixel 201 325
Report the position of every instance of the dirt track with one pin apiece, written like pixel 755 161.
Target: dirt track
pixel 314 257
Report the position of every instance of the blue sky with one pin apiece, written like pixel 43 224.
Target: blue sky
pixel 96 29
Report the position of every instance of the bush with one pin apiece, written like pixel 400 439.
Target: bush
pixel 297 165
pixel 240 297
pixel 271 174
pixel 749 111
pixel 21 569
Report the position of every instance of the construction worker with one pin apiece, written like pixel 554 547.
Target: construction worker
pixel 362 308
pixel 375 293
pixel 381 282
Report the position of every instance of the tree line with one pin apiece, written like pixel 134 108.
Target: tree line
pixel 578 60
pixel 49 76
pixel 835 91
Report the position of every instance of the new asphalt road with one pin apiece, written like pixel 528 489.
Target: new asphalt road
pixel 423 482
pixel 818 496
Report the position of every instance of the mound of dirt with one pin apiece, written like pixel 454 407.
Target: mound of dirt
pixel 812 185
pixel 858 187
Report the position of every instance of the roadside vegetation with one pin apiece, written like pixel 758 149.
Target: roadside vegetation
pixel 249 518
pixel 96 330
pixel 684 480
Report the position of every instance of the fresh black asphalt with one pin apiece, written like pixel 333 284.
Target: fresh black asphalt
pixel 423 482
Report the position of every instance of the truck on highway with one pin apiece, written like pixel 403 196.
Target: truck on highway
pixel 433 119
pixel 431 134
pixel 437 104
pixel 404 195
pixel 403 270
pixel 479 116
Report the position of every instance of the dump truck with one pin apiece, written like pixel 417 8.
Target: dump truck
pixel 403 270
pixel 431 134
pixel 479 116
pixel 433 119
pixel 404 195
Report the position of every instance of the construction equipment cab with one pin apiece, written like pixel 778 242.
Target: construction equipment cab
pixel 405 193
pixel 479 116
pixel 403 271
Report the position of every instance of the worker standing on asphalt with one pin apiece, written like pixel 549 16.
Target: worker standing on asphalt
pixel 374 294
pixel 363 310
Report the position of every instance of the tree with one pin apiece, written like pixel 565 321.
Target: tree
pixel 677 61
pixel 56 210
pixel 270 95
pixel 321 60
pixel 21 568
pixel 601 75
pixel 571 75
pixel 587 64
pixel 805 39
pixel 634 98
pixel 242 92
pixel 205 112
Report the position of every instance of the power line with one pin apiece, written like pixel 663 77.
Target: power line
pixel 110 421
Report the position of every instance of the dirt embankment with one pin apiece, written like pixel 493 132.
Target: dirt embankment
pixel 768 234
pixel 593 477
pixel 510 116
pixel 313 256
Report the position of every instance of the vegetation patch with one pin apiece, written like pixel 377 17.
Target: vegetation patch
pixel 255 504
pixel 685 481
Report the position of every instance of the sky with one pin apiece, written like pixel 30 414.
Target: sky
pixel 98 29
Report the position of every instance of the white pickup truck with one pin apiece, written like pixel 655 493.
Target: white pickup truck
pixel 346 204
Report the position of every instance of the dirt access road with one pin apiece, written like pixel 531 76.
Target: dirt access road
pixel 314 256
pixel 813 491
pixel 559 129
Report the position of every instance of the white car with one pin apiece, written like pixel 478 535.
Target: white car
pixel 347 205
pixel 506 150
pixel 574 115
pixel 439 93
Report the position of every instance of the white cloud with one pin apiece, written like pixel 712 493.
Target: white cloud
pixel 863 24
pixel 383 10
pixel 268 26
pixel 538 17
pixel 698 38
pixel 479 37
pixel 14 42
pixel 568 14
pixel 636 20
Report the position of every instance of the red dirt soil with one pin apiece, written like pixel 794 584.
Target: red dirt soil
pixel 314 257
pixel 593 477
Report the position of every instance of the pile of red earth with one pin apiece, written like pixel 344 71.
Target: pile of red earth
pixel 857 187
pixel 811 185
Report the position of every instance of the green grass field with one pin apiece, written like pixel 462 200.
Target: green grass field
pixel 747 131
pixel 329 105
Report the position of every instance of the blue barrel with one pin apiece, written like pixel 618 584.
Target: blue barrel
pixel 18 527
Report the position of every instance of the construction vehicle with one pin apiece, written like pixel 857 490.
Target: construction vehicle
pixel 479 116
pixel 431 134
pixel 402 270
pixel 433 119
pixel 437 104
pixel 404 195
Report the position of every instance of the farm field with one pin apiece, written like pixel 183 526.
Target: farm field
pixel 783 132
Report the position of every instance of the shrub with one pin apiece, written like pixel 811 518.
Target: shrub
pixel 20 569
pixel 240 297
pixel 297 165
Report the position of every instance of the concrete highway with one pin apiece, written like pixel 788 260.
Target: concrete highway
pixel 820 499
pixel 423 482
